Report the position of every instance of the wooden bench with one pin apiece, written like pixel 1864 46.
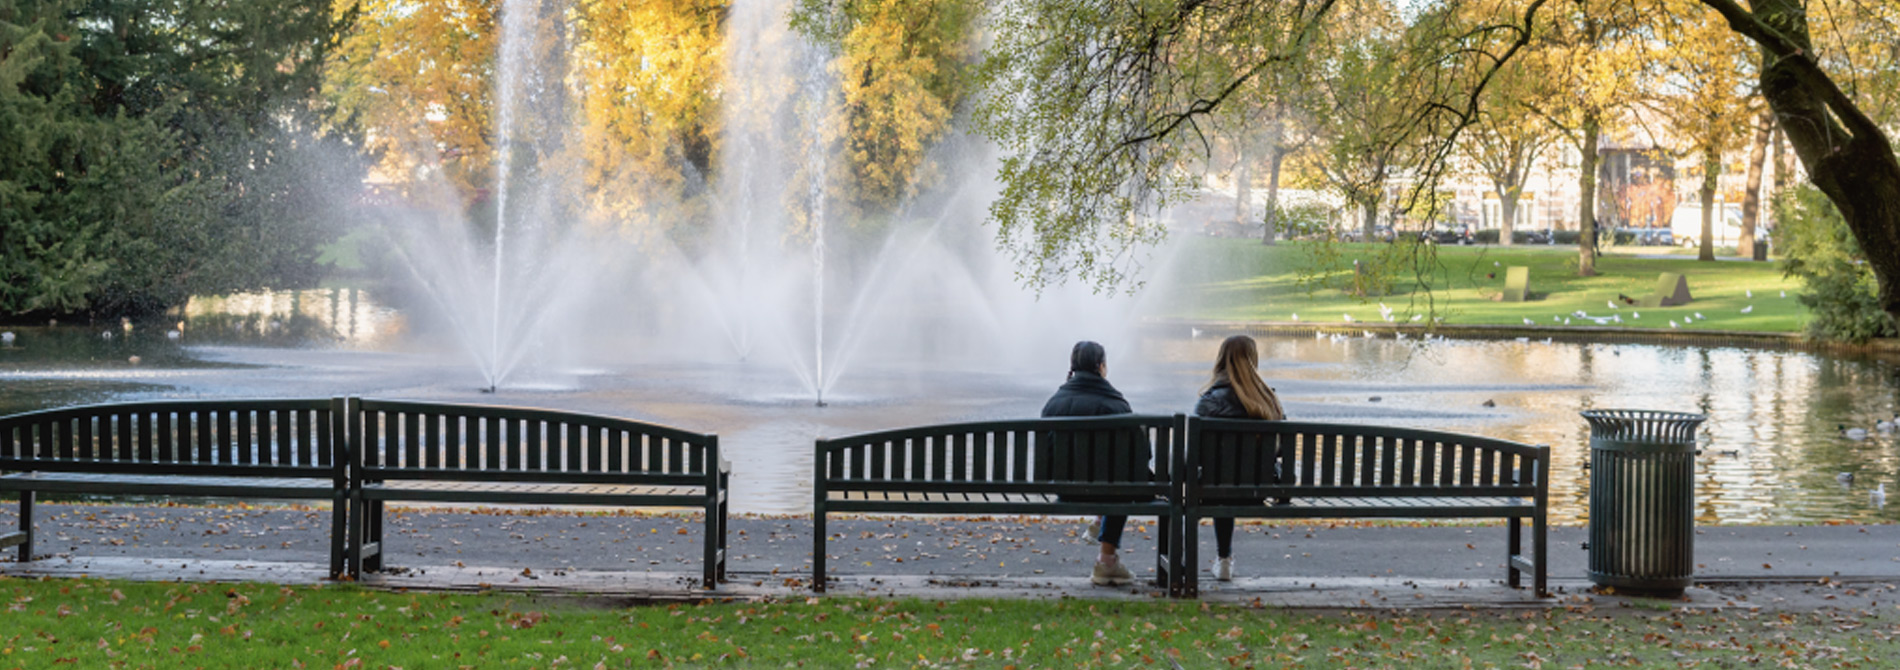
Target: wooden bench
pixel 254 449
pixel 427 452
pixel 1352 471
pixel 1068 466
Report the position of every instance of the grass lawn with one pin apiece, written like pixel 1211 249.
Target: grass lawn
pixel 108 624
pixel 1241 280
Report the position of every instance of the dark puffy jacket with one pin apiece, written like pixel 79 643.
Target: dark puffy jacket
pixel 1086 394
pixel 1220 402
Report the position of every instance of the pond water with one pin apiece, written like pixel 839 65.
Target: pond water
pixel 1771 450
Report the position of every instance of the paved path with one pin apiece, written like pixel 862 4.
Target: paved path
pixel 657 557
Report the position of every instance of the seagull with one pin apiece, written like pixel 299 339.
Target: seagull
pixel 1368 334
pixel 1496 264
pixel 1416 317
pixel 173 334
pixel 1529 322
pixel 1672 323
pixel 1749 292
pixel 1852 434
pixel 1296 317
pixel 1784 294
pixel 1611 303
pixel 6 338
pixel 1546 340
pixel 1523 339
pixel 1617 318
pixel 1556 319
pixel 1879 496
pixel 1194 333
pixel 1317 335
pixel 1388 318
pixel 1400 336
pixel 1699 316
pixel 1566 321
pixel 1579 314
pixel 1748 309
pixel 1636 315
pixel 1348 317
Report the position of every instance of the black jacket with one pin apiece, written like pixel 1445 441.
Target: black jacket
pixel 1220 402
pixel 1086 394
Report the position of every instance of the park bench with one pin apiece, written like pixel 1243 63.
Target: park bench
pixel 1351 471
pixel 428 452
pixel 250 449
pixel 1062 466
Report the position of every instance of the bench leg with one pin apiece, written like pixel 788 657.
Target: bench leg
pixel 1514 548
pixel 374 526
pixel 1191 555
pixel 818 550
pixel 725 515
pixel 358 517
pixel 709 570
pixel 339 531
pixel 1540 555
pixel 26 526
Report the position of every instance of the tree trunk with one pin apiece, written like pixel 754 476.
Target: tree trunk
pixel 1243 186
pixel 1711 171
pixel 1587 200
pixel 1751 195
pixel 1370 209
pixel 1275 156
pixel 1784 162
pixel 1507 213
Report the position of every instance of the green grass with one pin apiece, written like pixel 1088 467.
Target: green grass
pixel 1241 280
pixel 110 624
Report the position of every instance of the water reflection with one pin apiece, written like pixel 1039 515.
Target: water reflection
pixel 1770 449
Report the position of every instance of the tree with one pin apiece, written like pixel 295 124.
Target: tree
pixel 1847 154
pixel 1705 94
pixel 1746 246
pixel 1508 139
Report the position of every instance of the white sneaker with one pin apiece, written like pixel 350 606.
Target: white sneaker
pixel 1224 569
pixel 1111 574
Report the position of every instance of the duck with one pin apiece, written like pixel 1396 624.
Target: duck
pixel 1845 478
pixel 6 338
pixel 107 335
pixel 1884 426
pixel 173 335
pixel 1852 433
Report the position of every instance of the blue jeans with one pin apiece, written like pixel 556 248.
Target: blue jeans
pixel 1112 530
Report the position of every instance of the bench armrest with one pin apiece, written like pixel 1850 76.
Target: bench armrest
pixel 725 467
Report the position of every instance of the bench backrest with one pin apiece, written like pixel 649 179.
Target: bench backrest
pixel 415 440
pixel 239 438
pixel 1236 457
pixel 1111 455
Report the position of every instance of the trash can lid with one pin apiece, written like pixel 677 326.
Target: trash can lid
pixel 1642 425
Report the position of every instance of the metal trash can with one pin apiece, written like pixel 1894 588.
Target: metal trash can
pixel 1642 499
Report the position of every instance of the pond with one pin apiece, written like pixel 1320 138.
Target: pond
pixel 1771 451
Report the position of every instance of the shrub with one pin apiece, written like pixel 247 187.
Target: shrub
pixel 1817 247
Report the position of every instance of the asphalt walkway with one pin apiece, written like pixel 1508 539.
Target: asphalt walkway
pixel 656 557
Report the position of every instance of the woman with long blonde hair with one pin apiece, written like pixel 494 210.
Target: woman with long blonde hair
pixel 1235 391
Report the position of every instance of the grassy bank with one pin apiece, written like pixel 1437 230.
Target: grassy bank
pixel 108 624
pixel 1241 280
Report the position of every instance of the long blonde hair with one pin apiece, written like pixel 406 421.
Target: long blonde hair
pixel 1237 364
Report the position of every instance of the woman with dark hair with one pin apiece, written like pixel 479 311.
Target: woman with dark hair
pixel 1235 391
pixel 1088 393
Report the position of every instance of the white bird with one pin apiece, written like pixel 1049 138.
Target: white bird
pixel 173 334
pixel 1400 336
pixel 1546 340
pixel 1416 317
pixel 1368 334
pixel 1845 478
pixel 1884 426
pixel 1496 264
pixel 1879 496
pixel 6 338
pixel 1617 318
pixel 1784 294
pixel 1348 317
pixel 1580 314
pixel 1853 434
pixel 1748 309
pixel 1318 335
pixel 1699 316
pixel 1194 333
pixel 1529 322
pixel 106 335
pixel 1611 303
pixel 1672 324
pixel 1296 317
pixel 1748 292
pixel 1556 319
pixel 1566 321
pixel 1636 315
pixel 1523 339
pixel 1389 319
